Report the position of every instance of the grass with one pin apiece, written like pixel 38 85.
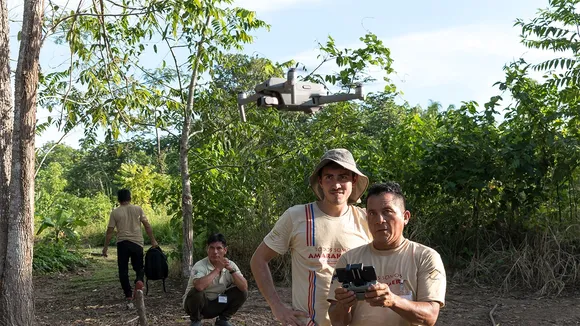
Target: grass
pixel 103 270
pixel 545 263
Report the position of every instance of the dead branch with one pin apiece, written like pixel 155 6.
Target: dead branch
pixel 132 320
pixel 140 302
pixel 491 315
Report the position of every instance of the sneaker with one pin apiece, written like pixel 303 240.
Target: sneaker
pixel 222 322
pixel 195 323
pixel 138 286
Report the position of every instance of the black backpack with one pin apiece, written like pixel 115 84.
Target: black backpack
pixel 156 267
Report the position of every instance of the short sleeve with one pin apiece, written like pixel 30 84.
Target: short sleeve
pixel 279 237
pixel 431 278
pixel 198 271
pixel 112 221
pixel 142 216
pixel 334 284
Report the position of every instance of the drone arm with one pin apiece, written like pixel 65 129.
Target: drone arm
pixel 243 100
pixel 358 95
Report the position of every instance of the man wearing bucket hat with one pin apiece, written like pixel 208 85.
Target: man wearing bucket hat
pixel 317 234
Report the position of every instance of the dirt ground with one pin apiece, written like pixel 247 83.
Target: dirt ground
pixel 92 296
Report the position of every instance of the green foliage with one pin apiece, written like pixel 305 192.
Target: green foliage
pixel 355 63
pixel 61 226
pixel 112 86
pixel 141 180
pixel 52 257
pixel 556 29
pixel 480 182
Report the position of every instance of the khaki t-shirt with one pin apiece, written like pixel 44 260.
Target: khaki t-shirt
pixel 127 219
pixel 219 284
pixel 412 271
pixel 316 242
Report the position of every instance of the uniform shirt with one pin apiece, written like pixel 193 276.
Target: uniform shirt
pixel 316 242
pixel 412 271
pixel 128 219
pixel 219 284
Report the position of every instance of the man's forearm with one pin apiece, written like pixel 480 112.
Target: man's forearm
pixel 263 277
pixel 339 316
pixel 423 313
pixel 203 282
pixel 108 237
pixel 240 281
pixel 149 231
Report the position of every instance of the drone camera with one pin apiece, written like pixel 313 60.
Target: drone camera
pixel 267 101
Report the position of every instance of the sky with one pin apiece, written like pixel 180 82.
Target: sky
pixel 446 51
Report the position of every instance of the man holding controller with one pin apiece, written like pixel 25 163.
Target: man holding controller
pixel 411 279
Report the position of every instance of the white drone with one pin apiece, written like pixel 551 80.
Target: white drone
pixel 293 95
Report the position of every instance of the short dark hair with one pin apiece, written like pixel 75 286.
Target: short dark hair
pixel 389 187
pixel 124 195
pixel 216 237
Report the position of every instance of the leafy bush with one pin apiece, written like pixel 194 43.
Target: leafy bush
pixel 50 257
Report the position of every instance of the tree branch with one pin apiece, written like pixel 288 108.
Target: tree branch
pixel 246 165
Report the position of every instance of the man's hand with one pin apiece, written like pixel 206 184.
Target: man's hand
pixel 288 317
pixel 345 298
pixel 379 295
pixel 227 265
pixel 154 244
pixel 221 263
pixel 105 251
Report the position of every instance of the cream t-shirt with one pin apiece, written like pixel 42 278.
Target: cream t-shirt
pixel 128 219
pixel 412 271
pixel 219 284
pixel 316 242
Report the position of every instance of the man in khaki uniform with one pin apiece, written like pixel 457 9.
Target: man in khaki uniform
pixel 127 218
pixel 411 280
pixel 316 234
pixel 216 286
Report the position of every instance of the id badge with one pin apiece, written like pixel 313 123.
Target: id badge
pixel 222 298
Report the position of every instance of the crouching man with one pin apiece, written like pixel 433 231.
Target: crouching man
pixel 216 286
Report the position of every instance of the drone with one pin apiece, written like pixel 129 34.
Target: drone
pixel 292 95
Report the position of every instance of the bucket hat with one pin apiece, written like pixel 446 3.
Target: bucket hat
pixel 345 159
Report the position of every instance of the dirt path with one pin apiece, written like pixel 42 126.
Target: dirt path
pixel 93 297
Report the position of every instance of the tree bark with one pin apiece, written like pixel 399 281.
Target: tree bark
pixel 6 121
pixel 16 300
pixel 186 199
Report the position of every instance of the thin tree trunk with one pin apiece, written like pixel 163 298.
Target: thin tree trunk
pixel 186 198
pixel 187 204
pixel 16 300
pixel 159 157
pixel 6 121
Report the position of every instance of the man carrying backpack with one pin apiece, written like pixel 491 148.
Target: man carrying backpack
pixel 216 286
pixel 127 218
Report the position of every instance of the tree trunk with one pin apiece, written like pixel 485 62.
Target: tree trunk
pixel 6 121
pixel 16 300
pixel 186 199
pixel 187 204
